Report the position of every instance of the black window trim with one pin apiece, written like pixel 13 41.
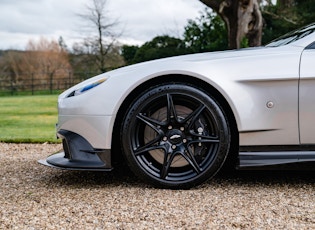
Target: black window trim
pixel 310 46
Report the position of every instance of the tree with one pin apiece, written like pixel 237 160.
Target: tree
pixel 159 47
pixel 242 18
pixel 62 44
pixel 129 52
pixel 84 61
pixel 44 61
pixel 283 16
pixel 206 33
pixel 46 57
pixel 98 45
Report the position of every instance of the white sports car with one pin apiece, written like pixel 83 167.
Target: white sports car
pixel 177 120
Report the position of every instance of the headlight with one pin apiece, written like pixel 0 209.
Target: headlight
pixel 87 87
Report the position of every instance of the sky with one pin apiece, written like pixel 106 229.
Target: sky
pixel 139 20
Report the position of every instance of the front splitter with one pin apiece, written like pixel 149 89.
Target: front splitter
pixel 59 161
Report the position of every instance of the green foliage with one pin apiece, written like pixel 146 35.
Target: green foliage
pixel 206 33
pixel 274 25
pixel 305 10
pixel 29 119
pixel 129 52
pixel 244 43
pixel 160 47
pixel 280 20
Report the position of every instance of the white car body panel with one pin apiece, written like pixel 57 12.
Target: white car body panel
pixel 91 127
pixel 307 98
pixel 247 87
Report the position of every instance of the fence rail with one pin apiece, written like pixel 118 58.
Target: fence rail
pixel 31 85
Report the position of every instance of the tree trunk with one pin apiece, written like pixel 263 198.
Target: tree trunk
pixel 243 20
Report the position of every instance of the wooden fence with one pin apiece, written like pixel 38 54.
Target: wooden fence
pixel 31 84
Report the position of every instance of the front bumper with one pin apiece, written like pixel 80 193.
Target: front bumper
pixel 79 155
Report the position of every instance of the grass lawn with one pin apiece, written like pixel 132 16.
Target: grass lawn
pixel 28 119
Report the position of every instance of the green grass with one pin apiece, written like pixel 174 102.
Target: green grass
pixel 28 119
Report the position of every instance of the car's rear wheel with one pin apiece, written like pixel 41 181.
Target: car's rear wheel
pixel 175 136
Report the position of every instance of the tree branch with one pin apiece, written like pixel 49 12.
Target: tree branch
pixel 277 16
pixel 214 4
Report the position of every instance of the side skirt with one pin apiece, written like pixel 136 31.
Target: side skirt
pixel 250 157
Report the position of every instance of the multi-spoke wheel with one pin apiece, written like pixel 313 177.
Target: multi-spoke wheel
pixel 175 136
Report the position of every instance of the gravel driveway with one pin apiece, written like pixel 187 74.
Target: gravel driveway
pixel 37 197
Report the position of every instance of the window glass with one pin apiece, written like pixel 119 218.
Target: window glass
pixel 292 36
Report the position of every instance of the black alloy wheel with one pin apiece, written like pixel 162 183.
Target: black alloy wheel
pixel 175 136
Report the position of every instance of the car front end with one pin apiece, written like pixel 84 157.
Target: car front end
pixel 83 122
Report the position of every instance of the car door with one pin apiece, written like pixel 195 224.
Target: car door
pixel 307 96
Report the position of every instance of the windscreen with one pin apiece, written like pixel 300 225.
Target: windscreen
pixel 292 36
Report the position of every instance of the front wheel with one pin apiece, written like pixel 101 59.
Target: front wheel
pixel 175 136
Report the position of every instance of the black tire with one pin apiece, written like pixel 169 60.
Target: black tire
pixel 175 136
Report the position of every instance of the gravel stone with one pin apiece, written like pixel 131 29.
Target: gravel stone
pixel 33 196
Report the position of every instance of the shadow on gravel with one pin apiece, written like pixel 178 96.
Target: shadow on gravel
pixel 268 176
pixel 124 177
pixel 292 175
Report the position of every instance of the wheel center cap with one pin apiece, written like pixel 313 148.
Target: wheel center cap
pixel 175 136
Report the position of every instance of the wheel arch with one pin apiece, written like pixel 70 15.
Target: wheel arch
pixel 177 78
